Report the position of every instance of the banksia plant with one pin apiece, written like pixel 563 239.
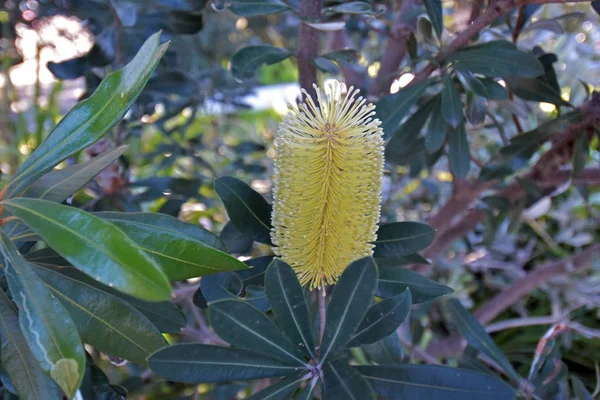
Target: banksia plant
pixel 327 184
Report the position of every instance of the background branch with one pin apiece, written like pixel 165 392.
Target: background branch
pixel 308 44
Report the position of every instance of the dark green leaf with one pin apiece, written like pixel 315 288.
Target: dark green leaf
pixel 352 7
pixel 255 275
pixel 46 325
pixel 325 65
pixel 394 281
pixel 95 246
pixel 386 351
pixel 400 147
pixel 382 319
pixel 495 91
pixel 250 8
pixel 392 109
pixel 535 90
pixel 197 363
pixel 342 382
pixel 435 13
pixel 477 337
pixel 28 380
pixel 498 202
pixel 244 326
pixel 472 83
pixel 306 393
pixel 435 135
pixel 234 240
pixel 596 6
pixel 349 303
pixel 103 320
pixel 88 121
pixel 458 151
pixel 389 262
pixel 220 287
pixel 282 390
pixel 168 223
pixel 581 153
pixel 58 185
pixel 496 58
pixel 347 55
pixel 399 239
pixel 432 382
pixel 247 209
pixel 476 108
pixel 452 108
pixel 246 61
pixel 179 255
pixel 579 389
pixel 495 170
pixel 287 301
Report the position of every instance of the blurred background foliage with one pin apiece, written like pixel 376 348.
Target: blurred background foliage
pixel 194 122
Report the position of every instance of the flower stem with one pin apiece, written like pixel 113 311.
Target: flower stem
pixel 322 300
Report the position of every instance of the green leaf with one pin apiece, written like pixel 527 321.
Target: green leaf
pixel 94 246
pixel 452 108
pixel 246 61
pixel 342 382
pixel 349 303
pixel 346 55
pixel 29 381
pixel 250 8
pixel 435 135
pixel 325 65
pixel 103 320
pixel 579 389
pixel 581 153
pixel 476 108
pixel 282 390
pixel 235 241
pixel 306 393
pixel 389 262
pixel 382 319
pixel 477 337
pixel 399 239
pixel 496 58
pixel 472 83
pixel 432 382
pixel 198 363
pixel 394 281
pixel 179 255
pixel 287 301
pixel 46 325
pixel 535 90
pixel 168 223
pixel 59 185
pixel 495 91
pixel 247 210
pixel 352 7
pixel 435 13
pixel 458 151
pixel 392 109
pixel 386 351
pixel 399 148
pixel 244 326
pixel 89 120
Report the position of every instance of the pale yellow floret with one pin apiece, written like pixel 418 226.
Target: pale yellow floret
pixel 327 184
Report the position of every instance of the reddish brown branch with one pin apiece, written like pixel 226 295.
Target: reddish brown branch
pixel 308 45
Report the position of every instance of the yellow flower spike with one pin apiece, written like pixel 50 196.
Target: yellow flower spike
pixel 327 184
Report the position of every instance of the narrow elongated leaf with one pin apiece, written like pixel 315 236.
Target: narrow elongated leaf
pixel 103 320
pixel 581 153
pixel 250 8
pixel 535 90
pixel 452 108
pixel 393 281
pixel 287 301
pixel 46 325
pixel 458 151
pixel 392 109
pixel 306 393
pixel 352 7
pixel 94 246
pixel 477 337
pixel 391 262
pixel 434 11
pixel 247 210
pixel 579 389
pixel 60 184
pixel 246 61
pixel 496 58
pixel 197 363
pixel 282 390
pixel 398 149
pixel 432 382
pixel 386 351
pixel 342 382
pixel 168 223
pixel 495 91
pixel 399 239
pixel 88 121
pixel 244 326
pixel 435 134
pixel 29 381
pixel 349 303
pixel 179 256
pixel 382 319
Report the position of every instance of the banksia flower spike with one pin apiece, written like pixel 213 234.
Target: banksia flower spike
pixel 327 184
